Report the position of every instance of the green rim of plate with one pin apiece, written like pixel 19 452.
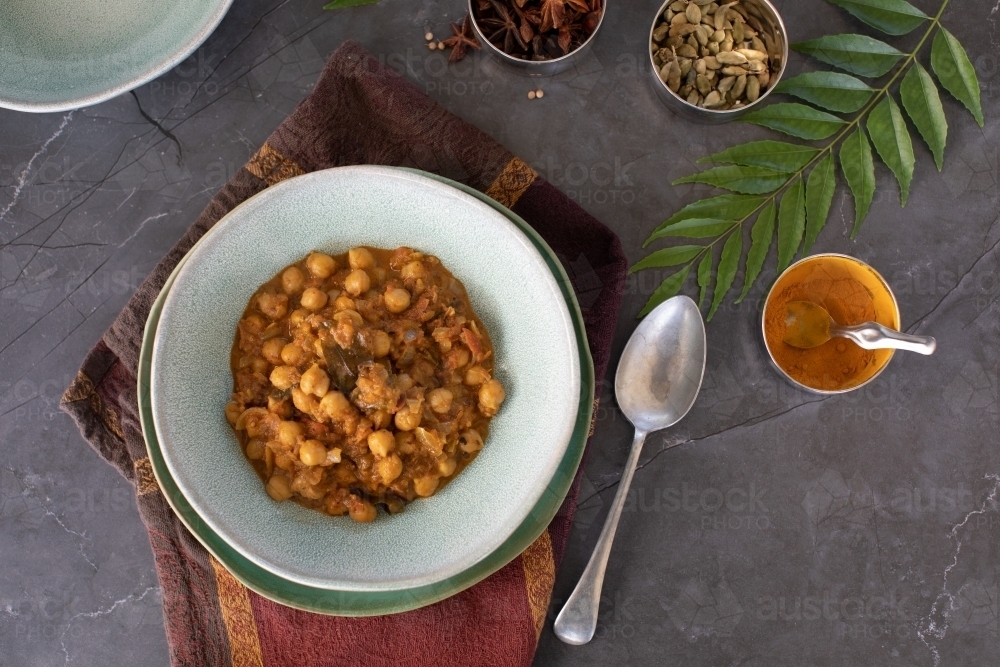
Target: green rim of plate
pixel 353 603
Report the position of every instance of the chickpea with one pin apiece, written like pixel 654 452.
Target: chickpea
pixel 476 376
pixel 381 443
pixel 389 468
pixel 233 412
pixel 315 381
pixel 273 305
pixel 283 377
pixel 425 486
pixel 255 449
pixel 289 432
pixel 292 280
pixel 362 511
pixel 381 344
pixel 360 258
pixel 440 400
pixel 312 453
pixel 291 354
pixel 295 319
pixel 272 350
pixel 253 323
pixel 321 265
pixel 260 365
pixel 461 356
pixel 304 402
pixel 491 395
pixel 302 487
pixel 397 300
pixel 447 467
pixel 407 420
pixel 279 406
pixel 255 424
pixel 405 442
pixel 344 303
pixel 314 299
pixel 471 441
pixel 381 419
pixel 357 282
pixel 336 406
pixel 413 270
pixel 279 488
pixel 378 275
pixel 351 315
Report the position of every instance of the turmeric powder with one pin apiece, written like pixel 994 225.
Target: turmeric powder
pixel 852 293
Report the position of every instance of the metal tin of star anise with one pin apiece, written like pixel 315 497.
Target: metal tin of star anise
pixel 537 37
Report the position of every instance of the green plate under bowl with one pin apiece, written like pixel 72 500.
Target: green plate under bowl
pixel 357 603
pixel 56 56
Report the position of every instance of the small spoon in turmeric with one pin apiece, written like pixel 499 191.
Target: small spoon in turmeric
pixel 809 325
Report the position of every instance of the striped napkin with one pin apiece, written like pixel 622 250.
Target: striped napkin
pixel 358 113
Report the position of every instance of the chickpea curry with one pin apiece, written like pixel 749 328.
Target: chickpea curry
pixel 360 380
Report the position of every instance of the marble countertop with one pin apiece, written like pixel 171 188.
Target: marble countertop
pixel 786 529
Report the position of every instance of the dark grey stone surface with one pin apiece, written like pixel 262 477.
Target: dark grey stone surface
pixel 785 530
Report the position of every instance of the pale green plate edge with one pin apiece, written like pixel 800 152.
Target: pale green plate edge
pixel 352 603
pixel 113 90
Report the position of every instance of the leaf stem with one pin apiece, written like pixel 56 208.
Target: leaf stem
pixel 876 98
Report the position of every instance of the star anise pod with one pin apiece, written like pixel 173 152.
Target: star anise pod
pixel 593 18
pixel 538 47
pixel 504 27
pixel 530 18
pixel 462 39
pixel 554 12
pixel 566 35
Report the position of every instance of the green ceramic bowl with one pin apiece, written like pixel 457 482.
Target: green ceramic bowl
pixel 368 603
pixel 56 56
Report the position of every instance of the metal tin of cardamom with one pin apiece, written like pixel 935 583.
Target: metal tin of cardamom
pixel 775 38
pixel 537 67
pixel 874 283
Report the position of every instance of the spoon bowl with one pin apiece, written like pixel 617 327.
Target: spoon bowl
pixel 662 366
pixel 657 382
pixel 810 325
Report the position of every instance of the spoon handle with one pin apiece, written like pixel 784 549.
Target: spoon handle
pixel 874 336
pixel 577 621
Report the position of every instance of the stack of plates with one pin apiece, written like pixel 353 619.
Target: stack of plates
pixel 441 545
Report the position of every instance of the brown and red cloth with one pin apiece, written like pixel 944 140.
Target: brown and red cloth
pixel 358 113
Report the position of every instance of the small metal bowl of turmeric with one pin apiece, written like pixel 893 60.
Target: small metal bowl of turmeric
pixel 853 293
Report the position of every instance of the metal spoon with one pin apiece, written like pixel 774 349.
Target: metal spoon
pixel 658 379
pixel 810 325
